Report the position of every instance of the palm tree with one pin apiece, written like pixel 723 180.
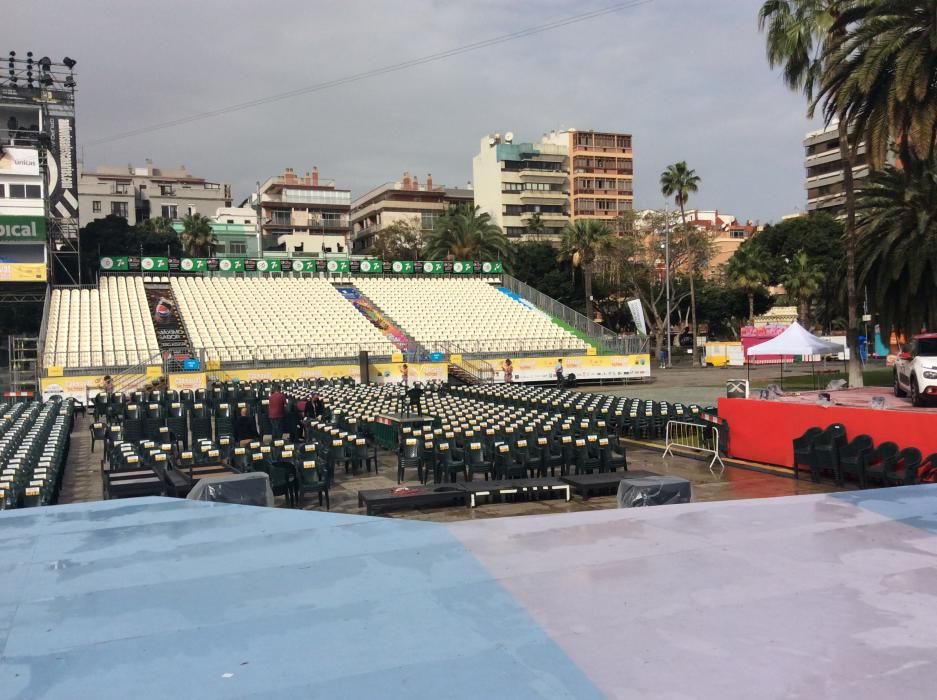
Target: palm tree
pixel 881 71
pixel 797 35
pixel 466 233
pixel 745 272
pixel 897 220
pixel 535 226
pixel 197 237
pixel 802 282
pixel 678 181
pixel 582 240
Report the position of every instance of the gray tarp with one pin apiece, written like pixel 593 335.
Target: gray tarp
pixel 251 489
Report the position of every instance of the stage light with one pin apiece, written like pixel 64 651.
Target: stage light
pixel 45 63
pixel 70 82
pixel 69 62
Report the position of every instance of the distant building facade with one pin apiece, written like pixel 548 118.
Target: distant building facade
pixel 147 192
pixel 824 167
pixel 406 200
pixel 726 232
pixel 303 213
pixel 235 230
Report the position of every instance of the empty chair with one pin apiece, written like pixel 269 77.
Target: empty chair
pixel 853 457
pixel 904 470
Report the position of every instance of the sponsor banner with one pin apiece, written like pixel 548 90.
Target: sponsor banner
pixel 368 267
pixel 133 263
pixel 304 266
pixel 431 267
pixel 174 264
pixel 22 229
pixel 62 169
pixel 149 264
pixel 492 268
pixel 637 312
pixel 333 266
pixel 193 265
pixel 19 161
pixel 115 264
pixel 463 267
pixel 84 388
pixel 541 369
pixel 380 373
pixel 231 265
pixel 23 272
pixel 400 267
pixel 272 265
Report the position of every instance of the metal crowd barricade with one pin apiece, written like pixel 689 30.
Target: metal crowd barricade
pixel 694 436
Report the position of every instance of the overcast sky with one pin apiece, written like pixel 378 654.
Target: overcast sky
pixel 688 78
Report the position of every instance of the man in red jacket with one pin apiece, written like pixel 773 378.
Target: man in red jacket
pixel 276 412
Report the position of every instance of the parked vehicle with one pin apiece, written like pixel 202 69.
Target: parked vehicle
pixel 916 370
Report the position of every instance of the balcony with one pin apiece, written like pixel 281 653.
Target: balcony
pixel 544 175
pixel 543 196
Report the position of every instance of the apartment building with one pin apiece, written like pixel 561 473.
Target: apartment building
pixel 140 193
pixel 514 181
pixel 303 213
pixel 726 232
pixel 824 183
pixel 420 204
pixel 235 230
pixel 601 180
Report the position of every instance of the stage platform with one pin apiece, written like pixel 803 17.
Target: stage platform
pixel 763 430
pixel 811 596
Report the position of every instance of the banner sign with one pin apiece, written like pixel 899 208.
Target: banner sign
pixel 22 229
pixel 231 265
pixel 492 268
pixel 637 312
pixel 463 267
pixel 333 266
pixel 61 167
pixel 149 264
pixel 22 272
pixel 400 267
pixel 369 266
pixel 19 161
pixel 268 265
pixel 193 264
pixel 114 264
pixel 431 267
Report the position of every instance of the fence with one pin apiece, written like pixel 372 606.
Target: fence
pixel 624 345
pixel 694 436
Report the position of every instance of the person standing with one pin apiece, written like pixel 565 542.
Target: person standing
pixel 415 394
pixel 276 412
pixel 404 374
pixel 508 371
pixel 558 371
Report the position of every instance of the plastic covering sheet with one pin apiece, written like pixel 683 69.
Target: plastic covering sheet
pixel 653 491
pixel 251 489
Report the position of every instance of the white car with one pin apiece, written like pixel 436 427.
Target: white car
pixel 916 370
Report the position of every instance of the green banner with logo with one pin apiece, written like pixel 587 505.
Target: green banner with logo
pixel 463 267
pixel 370 267
pixel 489 268
pixel 115 264
pixel 193 264
pixel 338 266
pixel 431 267
pixel 272 265
pixel 154 264
pixel 402 267
pixel 22 229
pixel 231 264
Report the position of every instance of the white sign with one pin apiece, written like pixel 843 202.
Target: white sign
pixel 19 161
pixel 637 311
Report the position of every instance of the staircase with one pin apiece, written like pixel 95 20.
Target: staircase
pixel 378 319
pixel 470 372
pixel 171 336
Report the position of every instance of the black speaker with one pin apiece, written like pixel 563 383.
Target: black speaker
pixel 363 367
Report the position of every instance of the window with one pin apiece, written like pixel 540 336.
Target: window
pixel 121 188
pixel 191 210
pixel 165 190
pixel 169 211
pixel 230 221
pixel 96 206
pixel 3 191
pixel 281 218
pixel 428 220
pixel 119 209
pixel 237 248
pixel 219 249
pixel 25 192
pixel 512 209
pixel 512 186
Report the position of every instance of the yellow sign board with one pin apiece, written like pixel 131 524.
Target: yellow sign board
pixel 154 371
pixel 23 272
pixel 55 371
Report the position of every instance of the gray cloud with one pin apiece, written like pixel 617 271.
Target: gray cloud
pixel 688 79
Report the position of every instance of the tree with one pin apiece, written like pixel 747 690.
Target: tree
pixel 798 33
pixel 881 75
pixel 803 280
pixel 401 240
pixel 197 237
pixel 725 307
pixel 466 233
pixel 897 220
pixel 678 181
pixel 745 271
pixel 582 240
pixel 535 226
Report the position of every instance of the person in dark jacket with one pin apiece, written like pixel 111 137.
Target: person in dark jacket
pixel 415 394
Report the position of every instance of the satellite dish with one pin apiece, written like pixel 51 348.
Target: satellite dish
pixel 491 140
pixel 509 137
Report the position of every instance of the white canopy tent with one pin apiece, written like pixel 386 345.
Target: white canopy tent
pixel 795 340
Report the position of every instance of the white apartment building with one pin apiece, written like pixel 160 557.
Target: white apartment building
pixel 824 166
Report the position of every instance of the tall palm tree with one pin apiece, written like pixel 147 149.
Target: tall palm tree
pixel 467 233
pixel 535 226
pixel 678 181
pixel 582 240
pixel 897 220
pixel 746 272
pixel 802 282
pixel 197 238
pixel 797 34
pixel 881 76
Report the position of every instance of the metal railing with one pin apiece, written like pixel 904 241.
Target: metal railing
pixel 624 345
pixel 694 436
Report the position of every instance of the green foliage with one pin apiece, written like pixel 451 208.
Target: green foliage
pixel 467 233
pixel 802 281
pixel 897 223
pixel 679 181
pixel 401 240
pixel 112 236
pixel 197 238
pixel 725 307
pixel 535 226
pixel 582 240
pixel 819 235
pixel 535 264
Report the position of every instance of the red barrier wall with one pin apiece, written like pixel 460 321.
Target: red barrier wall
pixel 763 431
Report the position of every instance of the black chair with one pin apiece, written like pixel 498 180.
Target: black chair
pixel 853 457
pixel 881 460
pixel 611 459
pixel 363 456
pixel 313 478
pixel 408 457
pixel 507 466
pixel 98 433
pixel 803 450
pixel 451 464
pixel 904 472
pixel 284 481
pixel 476 462
pixel 826 452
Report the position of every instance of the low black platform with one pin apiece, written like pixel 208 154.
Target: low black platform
pixel 379 501
pixel 518 489
pixel 604 484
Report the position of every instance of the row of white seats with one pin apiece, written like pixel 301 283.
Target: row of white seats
pixel 110 326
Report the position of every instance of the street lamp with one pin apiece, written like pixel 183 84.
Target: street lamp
pixel 667 272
